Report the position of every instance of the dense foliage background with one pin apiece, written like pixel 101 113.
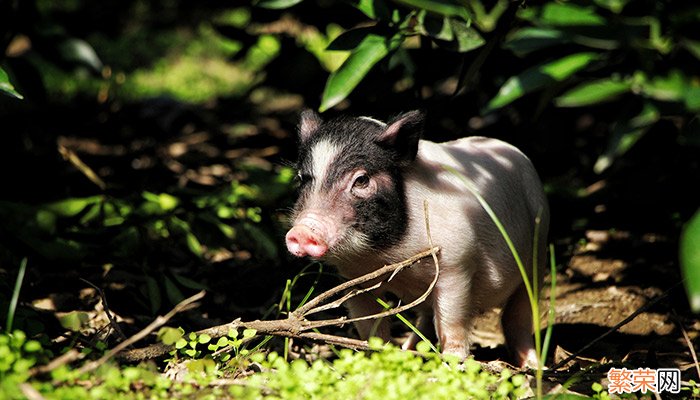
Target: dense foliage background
pixel 146 145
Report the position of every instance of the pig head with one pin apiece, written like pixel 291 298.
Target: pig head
pixel 362 188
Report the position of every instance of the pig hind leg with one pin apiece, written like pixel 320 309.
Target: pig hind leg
pixel 424 326
pixel 517 328
pixel 366 304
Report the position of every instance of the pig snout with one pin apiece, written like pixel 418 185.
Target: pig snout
pixel 312 235
pixel 303 241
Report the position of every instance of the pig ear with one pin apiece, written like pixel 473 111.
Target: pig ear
pixel 402 134
pixel 309 123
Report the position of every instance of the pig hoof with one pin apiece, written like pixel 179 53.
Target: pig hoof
pixel 528 360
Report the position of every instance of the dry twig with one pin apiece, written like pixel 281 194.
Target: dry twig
pixel 186 304
pixel 112 322
pixel 297 326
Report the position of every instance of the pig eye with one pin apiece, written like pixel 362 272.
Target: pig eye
pixel 361 182
pixel 302 178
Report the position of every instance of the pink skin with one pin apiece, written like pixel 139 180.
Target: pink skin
pixel 315 231
pixel 310 236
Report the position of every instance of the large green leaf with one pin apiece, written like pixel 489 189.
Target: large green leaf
pixel 466 37
pixel 526 40
pixel 567 14
pixel 538 77
pixel 674 87
pixel 73 206
pixel 351 38
pixel 690 260
pixel 615 6
pixel 451 33
pixel 375 9
pixel 693 47
pixel 277 4
pixel 593 92
pixel 666 88
pixel 625 133
pixel 370 51
pixel 6 87
pixel 448 8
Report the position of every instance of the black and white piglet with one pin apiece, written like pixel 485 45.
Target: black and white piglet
pixel 362 188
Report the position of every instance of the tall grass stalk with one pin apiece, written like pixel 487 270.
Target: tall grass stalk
pixel 15 296
pixel 531 288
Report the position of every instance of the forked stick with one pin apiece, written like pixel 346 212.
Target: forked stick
pixel 296 325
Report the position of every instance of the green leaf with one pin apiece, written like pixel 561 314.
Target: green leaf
pixel 277 4
pixel 466 37
pixel 6 87
pixel 527 40
pixel 666 88
pixel 181 343
pixel 249 333
pixel 567 14
pixel 692 98
pixel 593 92
pixel 72 207
pixel 153 294
pixel 74 320
pixel 692 46
pixel 191 352
pixel 690 260
pixel 158 203
pixel 32 346
pixel 169 336
pixel 447 8
pixel 351 38
pixel 539 77
pixel 189 283
pixel 436 27
pixel 625 134
pixel 374 9
pixel 615 6
pixel 204 338
pixel 371 50
pixel 172 291
pixel 192 242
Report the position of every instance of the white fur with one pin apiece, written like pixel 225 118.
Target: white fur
pixel 376 121
pixel 322 155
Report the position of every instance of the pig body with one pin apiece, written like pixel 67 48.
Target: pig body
pixel 358 213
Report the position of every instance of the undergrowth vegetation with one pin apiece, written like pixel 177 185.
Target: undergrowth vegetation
pixel 386 373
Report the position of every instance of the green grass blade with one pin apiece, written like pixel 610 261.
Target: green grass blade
pixel 15 295
pixel 410 326
pixel 552 299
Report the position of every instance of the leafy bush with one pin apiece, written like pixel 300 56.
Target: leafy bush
pixel 639 57
pixel 388 373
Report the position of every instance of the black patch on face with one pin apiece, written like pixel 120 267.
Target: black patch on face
pixel 382 217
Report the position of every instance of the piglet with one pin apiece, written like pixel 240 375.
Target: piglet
pixel 362 187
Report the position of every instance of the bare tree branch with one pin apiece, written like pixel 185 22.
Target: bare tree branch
pixel 157 323
pixel 296 325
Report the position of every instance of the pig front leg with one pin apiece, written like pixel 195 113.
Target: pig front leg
pixel 517 328
pixel 365 304
pixel 453 313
